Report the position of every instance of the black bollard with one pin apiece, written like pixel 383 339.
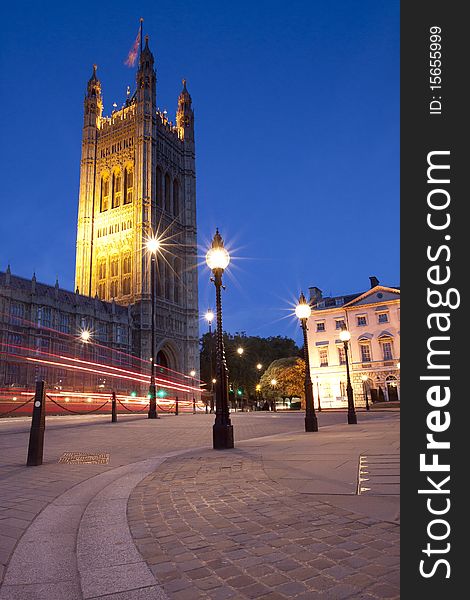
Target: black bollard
pixel 176 406
pixel 113 409
pixel 38 425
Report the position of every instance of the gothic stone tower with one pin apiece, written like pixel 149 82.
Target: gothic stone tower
pixel 137 176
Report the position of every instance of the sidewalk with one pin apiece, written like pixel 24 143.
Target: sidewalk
pixel 290 515
pixel 276 518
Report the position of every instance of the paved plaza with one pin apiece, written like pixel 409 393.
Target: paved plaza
pixel 161 515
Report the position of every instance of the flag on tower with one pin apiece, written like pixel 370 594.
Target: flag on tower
pixel 132 56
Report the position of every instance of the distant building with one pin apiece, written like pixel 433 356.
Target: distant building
pixel 40 324
pixel 373 319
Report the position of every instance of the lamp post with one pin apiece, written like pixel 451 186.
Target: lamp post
pixel 153 246
pixel 364 379
pixel 193 374
pixel 209 316
pixel 303 312
pixel 85 338
pixel 273 384
pixel 217 259
pixel 318 394
pixel 345 336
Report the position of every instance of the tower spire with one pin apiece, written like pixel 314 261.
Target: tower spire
pixel 185 114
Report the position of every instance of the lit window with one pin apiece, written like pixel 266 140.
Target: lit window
pixel 104 193
pixel 387 350
pixel 321 326
pixel 323 355
pixel 126 286
pixel 114 266
pixel 117 183
pixel 341 355
pixel 129 185
pixel 365 352
pixel 361 320
pixel 113 289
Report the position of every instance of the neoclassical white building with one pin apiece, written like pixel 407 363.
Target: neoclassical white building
pixel 373 319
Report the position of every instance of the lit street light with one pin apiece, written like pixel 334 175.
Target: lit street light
pixel 259 366
pixel 193 374
pixel 303 312
pixel 273 384
pixel 209 316
pixel 217 259
pixel 345 336
pixel 240 351
pixel 153 246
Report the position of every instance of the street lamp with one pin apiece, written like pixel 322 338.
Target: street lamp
pixel 193 374
pixel 345 336
pixel 85 337
pixel 153 246
pixel 259 366
pixel 364 379
pixel 209 316
pixel 217 259
pixel 303 312
pixel 273 384
pixel 240 351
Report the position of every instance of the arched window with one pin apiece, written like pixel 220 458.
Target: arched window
pixel 104 201
pixel 159 184
pixel 177 280
pixel 126 273
pixel 128 185
pixel 176 199
pixel 167 193
pixel 117 188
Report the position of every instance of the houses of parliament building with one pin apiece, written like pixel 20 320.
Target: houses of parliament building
pixel 137 181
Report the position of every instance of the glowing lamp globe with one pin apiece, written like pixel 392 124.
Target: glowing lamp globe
pixel 217 258
pixel 85 335
pixel 273 381
pixel 364 378
pixel 209 316
pixel 259 366
pixel 153 245
pixel 303 310
pixel 193 373
pixel 344 335
pixel 240 351
pixel 214 381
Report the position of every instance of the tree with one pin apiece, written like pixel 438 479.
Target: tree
pixel 289 374
pixel 242 368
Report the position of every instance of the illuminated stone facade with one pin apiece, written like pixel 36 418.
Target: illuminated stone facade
pixel 373 319
pixel 137 178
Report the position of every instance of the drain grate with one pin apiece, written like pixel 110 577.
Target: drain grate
pixel 84 458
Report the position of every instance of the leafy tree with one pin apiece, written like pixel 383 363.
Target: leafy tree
pixel 242 368
pixel 289 374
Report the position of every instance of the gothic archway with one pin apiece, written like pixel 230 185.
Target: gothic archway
pixel 168 355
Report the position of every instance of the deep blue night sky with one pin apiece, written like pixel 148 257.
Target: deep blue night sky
pixel 297 132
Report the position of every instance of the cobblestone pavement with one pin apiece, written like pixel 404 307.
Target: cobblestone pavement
pixel 26 491
pixel 217 526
